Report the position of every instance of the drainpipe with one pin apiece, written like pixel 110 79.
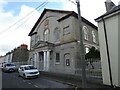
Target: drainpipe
pixel 108 55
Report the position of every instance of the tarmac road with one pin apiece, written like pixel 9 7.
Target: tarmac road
pixel 12 80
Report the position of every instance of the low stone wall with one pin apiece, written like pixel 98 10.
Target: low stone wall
pixel 71 77
pixel 18 64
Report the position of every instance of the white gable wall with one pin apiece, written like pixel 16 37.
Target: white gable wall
pixel 112 35
pixel 119 48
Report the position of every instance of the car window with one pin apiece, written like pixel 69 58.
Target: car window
pixel 29 67
pixel 10 64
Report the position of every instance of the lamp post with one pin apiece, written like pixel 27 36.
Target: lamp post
pixel 82 54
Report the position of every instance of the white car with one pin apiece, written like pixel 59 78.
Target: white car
pixel 28 71
pixel 8 67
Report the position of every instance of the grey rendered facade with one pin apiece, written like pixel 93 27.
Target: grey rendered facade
pixel 55 41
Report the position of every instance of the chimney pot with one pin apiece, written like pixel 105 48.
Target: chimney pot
pixel 109 5
pixel 108 1
pixel 119 3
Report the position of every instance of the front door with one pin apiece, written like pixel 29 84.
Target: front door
pixel 41 61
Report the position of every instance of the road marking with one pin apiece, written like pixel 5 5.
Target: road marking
pixel 29 83
pixel 24 81
pixel 36 86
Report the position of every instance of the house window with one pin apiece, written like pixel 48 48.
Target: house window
pixel 46 35
pixel 94 36
pixel 66 30
pixel 57 57
pixel 85 30
pixel 57 34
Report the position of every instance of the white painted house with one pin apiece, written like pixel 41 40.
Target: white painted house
pixel 109 38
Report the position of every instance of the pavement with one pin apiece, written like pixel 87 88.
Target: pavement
pixel 92 84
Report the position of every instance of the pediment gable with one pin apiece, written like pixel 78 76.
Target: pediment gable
pixel 65 15
pixel 43 14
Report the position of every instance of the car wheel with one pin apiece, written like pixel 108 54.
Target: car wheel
pixel 4 70
pixel 18 74
pixel 24 76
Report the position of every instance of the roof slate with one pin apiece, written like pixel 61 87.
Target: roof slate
pixel 115 9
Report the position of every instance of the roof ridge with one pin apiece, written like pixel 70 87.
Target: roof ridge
pixel 57 10
pixel 69 13
pixel 42 14
pixel 114 9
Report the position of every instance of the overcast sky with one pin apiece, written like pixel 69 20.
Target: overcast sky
pixel 12 11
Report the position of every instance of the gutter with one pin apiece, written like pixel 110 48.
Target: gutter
pixel 108 55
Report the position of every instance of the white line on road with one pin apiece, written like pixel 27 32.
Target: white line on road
pixel 29 83
pixel 24 81
pixel 36 86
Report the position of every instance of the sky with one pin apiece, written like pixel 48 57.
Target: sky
pixel 17 17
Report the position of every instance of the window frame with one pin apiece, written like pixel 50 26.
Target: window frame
pixel 46 35
pixel 85 30
pixel 37 38
pixel 57 34
pixel 57 58
pixel 66 30
pixel 93 36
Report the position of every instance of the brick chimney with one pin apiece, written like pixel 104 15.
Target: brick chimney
pixel 24 46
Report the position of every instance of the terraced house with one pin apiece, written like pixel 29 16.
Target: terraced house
pixel 55 41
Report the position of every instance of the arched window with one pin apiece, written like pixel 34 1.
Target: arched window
pixel 94 37
pixel 85 30
pixel 46 35
pixel 57 34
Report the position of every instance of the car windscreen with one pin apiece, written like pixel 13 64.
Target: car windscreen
pixel 10 64
pixel 29 67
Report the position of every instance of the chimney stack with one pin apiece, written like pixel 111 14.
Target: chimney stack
pixel 24 46
pixel 109 5
pixel 119 3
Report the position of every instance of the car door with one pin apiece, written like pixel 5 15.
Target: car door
pixel 22 71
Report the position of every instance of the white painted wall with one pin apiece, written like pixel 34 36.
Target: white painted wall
pixel 112 35
pixel 104 62
pixel 119 48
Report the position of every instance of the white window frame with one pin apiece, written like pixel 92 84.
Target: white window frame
pixel 57 61
pixel 57 34
pixel 46 35
pixel 85 30
pixel 94 36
